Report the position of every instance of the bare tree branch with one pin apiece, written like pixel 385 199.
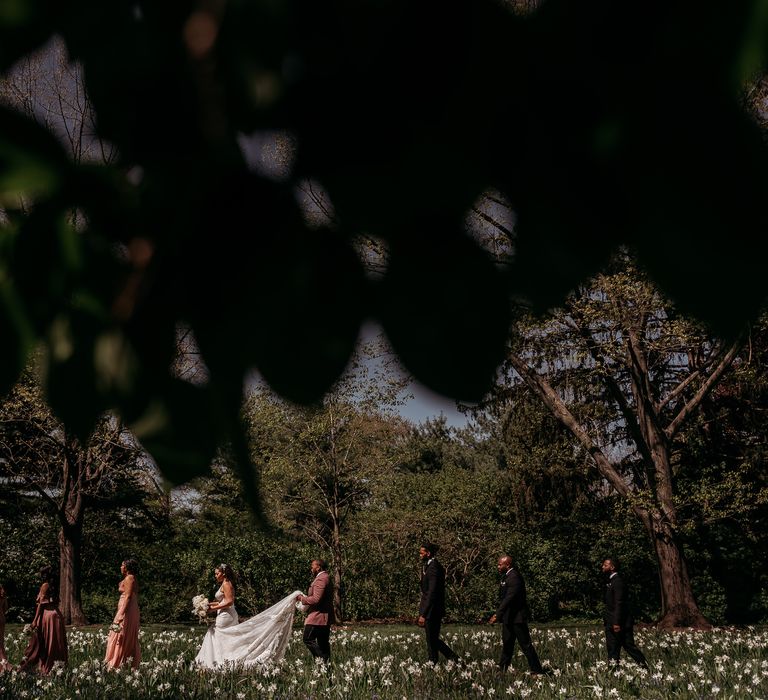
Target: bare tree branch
pixel 687 409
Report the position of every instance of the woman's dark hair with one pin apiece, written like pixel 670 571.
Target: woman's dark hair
pixel 46 576
pixel 131 566
pixel 229 574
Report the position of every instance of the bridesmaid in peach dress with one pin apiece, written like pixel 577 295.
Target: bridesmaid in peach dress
pixel 49 636
pixel 123 640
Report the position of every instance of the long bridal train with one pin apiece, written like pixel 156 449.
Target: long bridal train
pixel 260 639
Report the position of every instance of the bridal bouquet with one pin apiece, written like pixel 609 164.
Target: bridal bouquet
pixel 115 627
pixel 27 629
pixel 301 607
pixel 200 607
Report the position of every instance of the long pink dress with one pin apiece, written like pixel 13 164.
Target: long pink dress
pixel 49 641
pixel 124 644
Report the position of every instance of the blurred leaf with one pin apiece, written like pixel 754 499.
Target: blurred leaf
pixel 396 131
pixel 16 333
pixel 179 431
pixel 71 378
pixel 311 310
pixel 447 313
pixel 32 163
pixel 274 295
pixel 703 228
pixel 24 25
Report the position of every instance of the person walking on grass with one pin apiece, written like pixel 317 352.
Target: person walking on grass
pixel 617 618
pixel 512 614
pixel 432 603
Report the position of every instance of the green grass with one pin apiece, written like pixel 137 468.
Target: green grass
pixel 385 661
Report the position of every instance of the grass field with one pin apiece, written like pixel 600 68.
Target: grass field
pixel 388 662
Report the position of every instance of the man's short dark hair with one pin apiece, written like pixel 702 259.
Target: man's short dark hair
pixel 431 547
pixel 614 562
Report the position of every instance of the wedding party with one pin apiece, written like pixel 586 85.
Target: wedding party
pixel 235 643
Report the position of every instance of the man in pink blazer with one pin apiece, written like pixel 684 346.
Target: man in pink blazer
pixel 317 626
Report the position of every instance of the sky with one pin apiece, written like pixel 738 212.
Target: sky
pixel 427 404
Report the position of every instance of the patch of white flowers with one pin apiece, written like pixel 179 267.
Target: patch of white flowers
pixel 389 663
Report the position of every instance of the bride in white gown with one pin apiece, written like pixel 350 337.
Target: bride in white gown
pixel 261 639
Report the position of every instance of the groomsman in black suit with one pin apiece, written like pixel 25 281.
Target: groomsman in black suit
pixel 432 603
pixel 512 613
pixel 617 617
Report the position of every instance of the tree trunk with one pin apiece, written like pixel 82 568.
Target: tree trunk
pixel 337 573
pixel 678 606
pixel 70 551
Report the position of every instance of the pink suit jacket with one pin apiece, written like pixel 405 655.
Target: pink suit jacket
pixel 319 600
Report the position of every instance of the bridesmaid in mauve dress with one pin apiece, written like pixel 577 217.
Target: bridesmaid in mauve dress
pixel 124 644
pixel 3 613
pixel 48 643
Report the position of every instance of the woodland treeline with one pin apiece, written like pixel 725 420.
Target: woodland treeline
pixel 570 458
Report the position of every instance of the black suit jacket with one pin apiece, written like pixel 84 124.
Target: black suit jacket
pixel 513 605
pixel 618 610
pixel 432 603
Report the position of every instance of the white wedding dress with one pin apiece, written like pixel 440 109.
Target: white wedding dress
pixel 261 639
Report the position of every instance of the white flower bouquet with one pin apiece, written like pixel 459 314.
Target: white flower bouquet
pixel 116 627
pixel 27 629
pixel 301 607
pixel 200 606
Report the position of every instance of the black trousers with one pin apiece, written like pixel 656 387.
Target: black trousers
pixel 317 640
pixel 436 645
pixel 518 631
pixel 614 641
